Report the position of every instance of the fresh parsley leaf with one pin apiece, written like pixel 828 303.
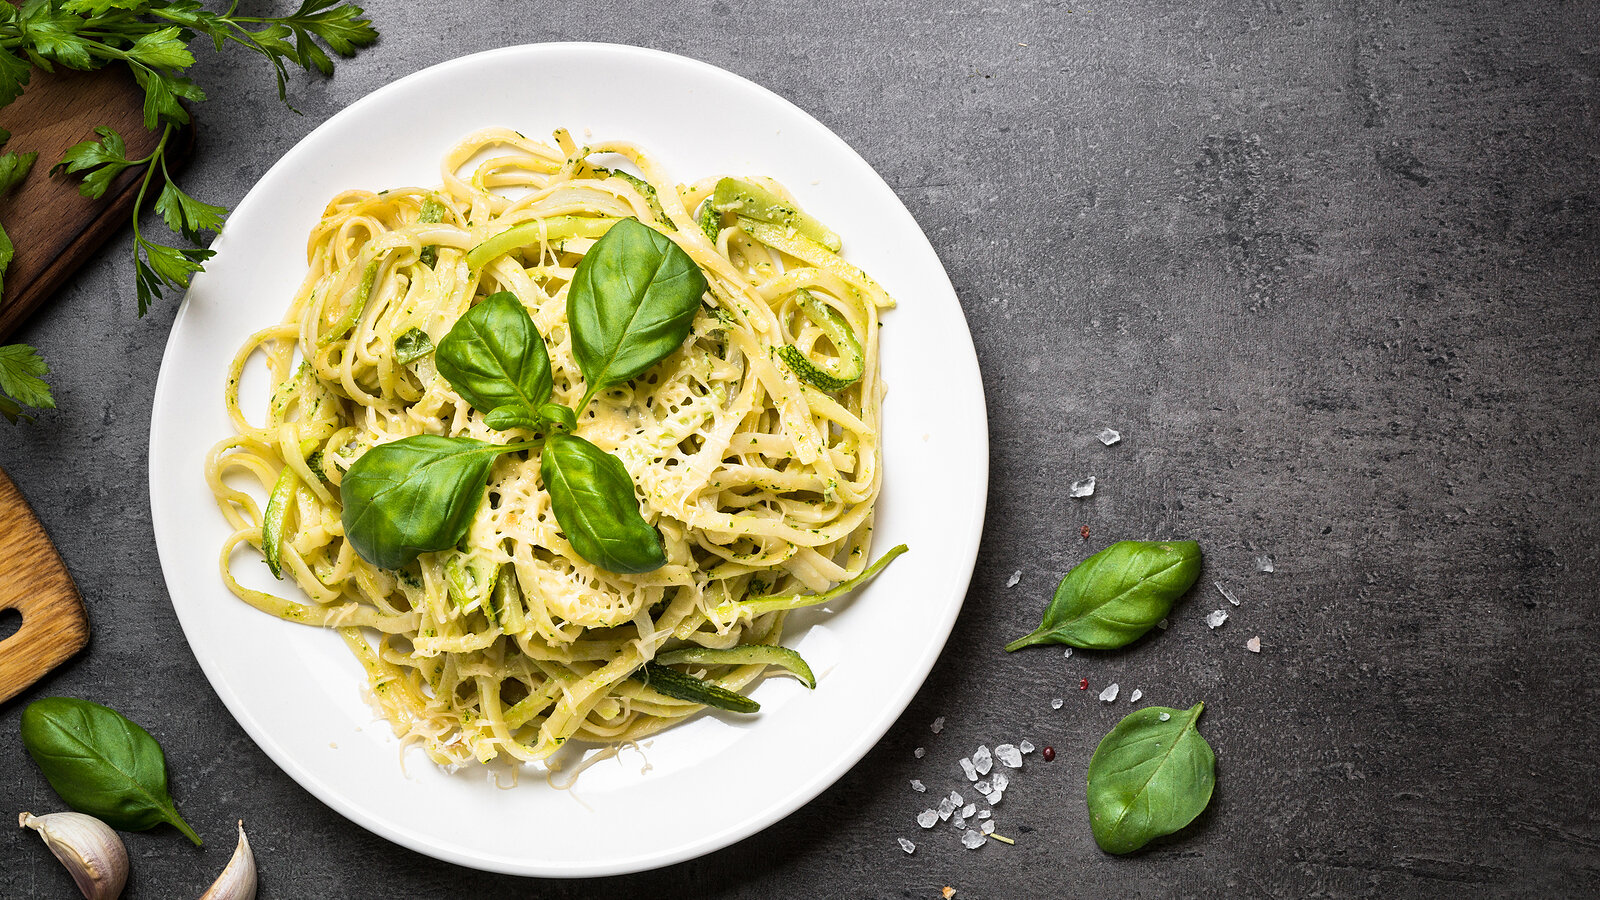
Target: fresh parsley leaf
pixel 340 25
pixel 100 162
pixel 164 49
pixel 161 94
pixel 184 214
pixel 14 74
pixel 164 266
pixel 51 34
pixel 21 382
pixel 13 168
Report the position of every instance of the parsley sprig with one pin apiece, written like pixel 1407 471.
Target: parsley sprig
pixel 152 38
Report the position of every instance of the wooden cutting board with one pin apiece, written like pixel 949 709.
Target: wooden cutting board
pixel 55 229
pixel 34 582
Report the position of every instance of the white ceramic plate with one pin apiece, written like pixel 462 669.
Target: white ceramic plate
pixel 715 779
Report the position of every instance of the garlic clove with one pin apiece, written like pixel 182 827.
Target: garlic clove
pixel 238 880
pixel 88 848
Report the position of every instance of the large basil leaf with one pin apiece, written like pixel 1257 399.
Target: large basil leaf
pixel 496 360
pixel 1149 777
pixel 1116 595
pixel 101 763
pixel 592 496
pixel 415 495
pixel 632 300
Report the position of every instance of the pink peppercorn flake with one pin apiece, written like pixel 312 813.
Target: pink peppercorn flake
pixel 1083 684
pixel 1049 754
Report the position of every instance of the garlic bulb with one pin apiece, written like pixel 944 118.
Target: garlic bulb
pixel 238 880
pixel 89 849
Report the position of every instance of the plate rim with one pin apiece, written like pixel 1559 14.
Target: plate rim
pixel 803 791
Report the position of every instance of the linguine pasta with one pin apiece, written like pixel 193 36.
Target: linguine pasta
pixel 760 482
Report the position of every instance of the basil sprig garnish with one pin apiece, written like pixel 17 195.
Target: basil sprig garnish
pixel 1112 598
pixel 101 763
pixel 1152 775
pixel 632 301
pixel 496 360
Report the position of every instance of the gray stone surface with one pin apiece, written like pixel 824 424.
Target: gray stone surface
pixel 1330 268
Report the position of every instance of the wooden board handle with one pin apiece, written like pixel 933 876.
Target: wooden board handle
pixel 35 583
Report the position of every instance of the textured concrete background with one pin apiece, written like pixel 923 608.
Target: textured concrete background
pixel 1330 267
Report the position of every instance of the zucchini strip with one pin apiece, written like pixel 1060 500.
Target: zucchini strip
pixel 352 315
pixel 746 198
pixel 797 245
pixel 831 375
pixel 432 211
pixel 555 228
pixel 756 606
pixel 677 685
pixel 755 654
pixel 272 520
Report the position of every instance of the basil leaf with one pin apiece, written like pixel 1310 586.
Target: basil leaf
pixel 1116 595
pixel 1149 777
pixel 415 495
pixel 494 358
pixel 412 346
pixel 592 496
pixel 632 300
pixel 101 763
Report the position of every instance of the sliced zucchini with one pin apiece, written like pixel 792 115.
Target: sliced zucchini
pixel 828 375
pixel 755 654
pixel 272 520
pixel 680 686
pixel 432 211
pixel 756 606
pixel 749 199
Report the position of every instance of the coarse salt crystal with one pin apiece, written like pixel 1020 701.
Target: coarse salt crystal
pixel 919 753
pixel 1001 781
pixel 983 787
pixel 1015 577
pixel 907 846
pixel 972 840
pixel 1165 716
pixel 984 814
pixel 1216 617
pixel 1226 594
pixel 1025 745
pixel 1009 756
pixel 958 821
pixel 988 826
pixel 1264 562
pixel 1109 436
pixel 1134 697
pixel 1162 624
pixel 946 808
pixel 968 768
pixel 937 726
pixel 927 818
pixel 970 810
pixel 1254 644
pixel 956 801
pixel 983 761
pixel 1110 693
pixel 1056 703
pixel 1084 488
pixel 1067 654
pixel 994 798
pixel 918 786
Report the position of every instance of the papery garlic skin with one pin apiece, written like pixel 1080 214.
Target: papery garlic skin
pixel 88 848
pixel 238 880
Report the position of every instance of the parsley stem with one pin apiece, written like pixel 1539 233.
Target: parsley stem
pixel 144 186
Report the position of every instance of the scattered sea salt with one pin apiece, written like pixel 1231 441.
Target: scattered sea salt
pixel 937 726
pixel 1025 745
pixel 919 753
pixel 956 801
pixel 1162 624
pixel 1015 577
pixel 1134 697
pixel 972 840
pixel 907 846
pixel 983 761
pixel 1109 436
pixel 994 798
pixel 1264 562
pixel 958 821
pixel 988 826
pixel 1227 594
pixel 918 786
pixel 983 787
pixel 946 808
pixel 1216 617
pixel 1110 693
pixel 1001 781
pixel 1165 716
pixel 1009 756
pixel 1067 654
pixel 970 811
pixel 970 770
pixel 1254 644
pixel 983 814
pixel 1084 488
pixel 1056 703
pixel 927 818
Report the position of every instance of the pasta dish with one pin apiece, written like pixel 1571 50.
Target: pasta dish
pixel 557 445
